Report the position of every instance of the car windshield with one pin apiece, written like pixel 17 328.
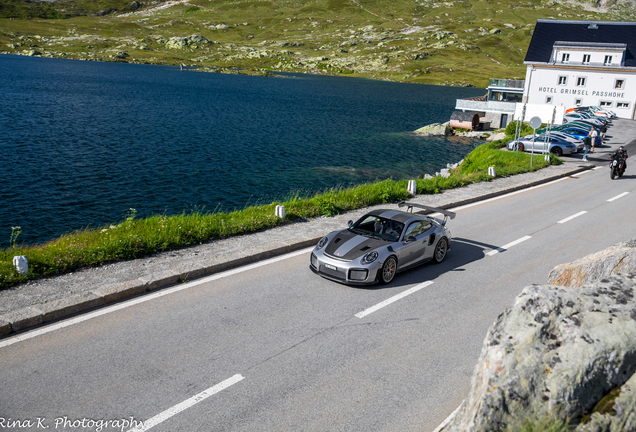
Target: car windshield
pixel 378 227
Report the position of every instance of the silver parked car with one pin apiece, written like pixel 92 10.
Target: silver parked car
pixel 381 244
pixel 558 134
pixel 557 146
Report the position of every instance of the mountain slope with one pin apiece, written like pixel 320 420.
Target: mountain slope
pixel 422 41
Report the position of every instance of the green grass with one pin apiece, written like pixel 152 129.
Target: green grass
pixel 135 238
pixel 469 55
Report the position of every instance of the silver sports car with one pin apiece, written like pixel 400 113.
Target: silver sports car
pixel 381 244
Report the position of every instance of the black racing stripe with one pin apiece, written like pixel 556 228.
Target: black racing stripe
pixel 364 248
pixel 343 235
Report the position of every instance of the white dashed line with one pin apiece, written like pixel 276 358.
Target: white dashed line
pixel 618 196
pixel 154 421
pixel 508 246
pixel 393 299
pixel 571 217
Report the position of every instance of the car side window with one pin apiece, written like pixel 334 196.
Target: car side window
pixel 417 228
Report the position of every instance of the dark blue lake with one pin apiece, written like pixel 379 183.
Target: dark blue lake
pixel 82 142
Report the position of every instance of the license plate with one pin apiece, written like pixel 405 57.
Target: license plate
pixel 330 267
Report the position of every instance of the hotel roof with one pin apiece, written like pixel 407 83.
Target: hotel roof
pixel 600 34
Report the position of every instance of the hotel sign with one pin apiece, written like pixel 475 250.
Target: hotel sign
pixel 582 92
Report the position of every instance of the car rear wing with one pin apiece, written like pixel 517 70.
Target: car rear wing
pixel 409 205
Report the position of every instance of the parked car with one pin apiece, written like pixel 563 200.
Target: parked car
pixel 608 111
pixel 597 111
pixel 557 146
pixel 381 244
pixel 584 118
pixel 574 140
pixel 580 133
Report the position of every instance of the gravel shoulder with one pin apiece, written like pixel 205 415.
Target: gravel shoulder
pixel 48 299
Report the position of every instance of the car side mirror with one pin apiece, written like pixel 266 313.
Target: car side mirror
pixel 410 239
pixel 350 223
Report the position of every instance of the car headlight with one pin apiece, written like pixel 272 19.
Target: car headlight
pixel 323 241
pixel 370 257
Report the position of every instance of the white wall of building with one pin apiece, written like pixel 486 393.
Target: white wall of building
pixel 559 85
pixel 544 111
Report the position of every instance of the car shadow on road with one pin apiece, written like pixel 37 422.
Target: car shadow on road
pixel 463 251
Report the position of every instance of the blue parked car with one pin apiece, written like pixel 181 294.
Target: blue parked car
pixel 581 133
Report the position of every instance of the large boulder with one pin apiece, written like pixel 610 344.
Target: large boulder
pixel 620 258
pixel 556 353
pixel 562 353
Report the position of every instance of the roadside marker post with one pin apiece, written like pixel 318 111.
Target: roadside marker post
pixel 535 123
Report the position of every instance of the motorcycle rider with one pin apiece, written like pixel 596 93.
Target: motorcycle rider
pixel 620 155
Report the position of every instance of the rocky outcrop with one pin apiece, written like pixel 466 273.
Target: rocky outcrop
pixel 620 258
pixel 184 42
pixel 561 354
pixel 435 129
pixel 495 137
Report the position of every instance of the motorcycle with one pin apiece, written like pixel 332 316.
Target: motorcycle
pixel 617 166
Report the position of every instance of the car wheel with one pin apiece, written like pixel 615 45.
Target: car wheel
pixel 557 151
pixel 440 250
pixel 520 146
pixel 388 270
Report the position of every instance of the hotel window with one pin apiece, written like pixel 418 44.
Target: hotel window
pixel 548 99
pixel 606 104
pixel 578 101
pixel 586 59
pixel 565 58
pixel 622 105
pixel 619 84
pixel 563 80
pixel 608 60
pixel 580 82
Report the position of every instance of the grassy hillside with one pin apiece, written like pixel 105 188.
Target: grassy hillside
pixel 421 41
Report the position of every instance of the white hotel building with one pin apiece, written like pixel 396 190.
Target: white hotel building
pixel 582 63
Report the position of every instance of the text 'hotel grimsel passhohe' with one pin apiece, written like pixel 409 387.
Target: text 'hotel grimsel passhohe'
pixel 582 92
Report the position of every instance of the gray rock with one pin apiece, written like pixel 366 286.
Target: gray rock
pixel 554 354
pixel 177 42
pixel 620 258
pixel 495 137
pixel 616 412
pixel 494 31
pixel 435 129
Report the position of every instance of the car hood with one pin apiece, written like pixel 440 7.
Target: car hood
pixel 349 246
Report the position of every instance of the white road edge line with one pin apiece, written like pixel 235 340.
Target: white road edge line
pixel 567 219
pixel 146 298
pixel 448 419
pixel 508 246
pixel 618 196
pixel 161 417
pixel 393 299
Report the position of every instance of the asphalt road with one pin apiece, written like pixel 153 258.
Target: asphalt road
pixel 273 347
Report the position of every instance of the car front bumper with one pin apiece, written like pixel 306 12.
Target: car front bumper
pixel 347 272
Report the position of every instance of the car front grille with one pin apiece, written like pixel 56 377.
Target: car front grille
pixel 338 274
